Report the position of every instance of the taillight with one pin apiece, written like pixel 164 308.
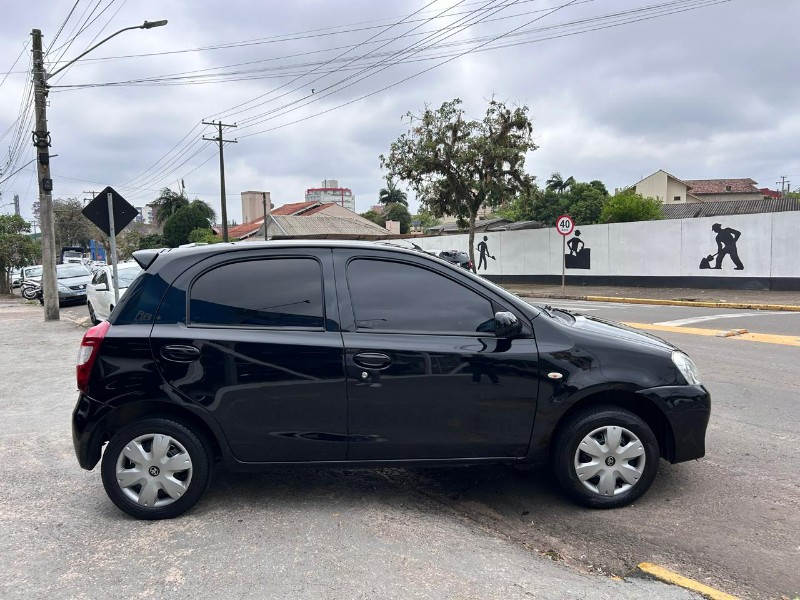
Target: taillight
pixel 90 345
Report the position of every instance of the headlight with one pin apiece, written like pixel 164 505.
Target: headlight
pixel 686 367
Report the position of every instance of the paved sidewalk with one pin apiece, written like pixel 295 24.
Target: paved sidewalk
pixel 748 297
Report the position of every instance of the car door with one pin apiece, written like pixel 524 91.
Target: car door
pixel 255 340
pixel 101 297
pixel 426 376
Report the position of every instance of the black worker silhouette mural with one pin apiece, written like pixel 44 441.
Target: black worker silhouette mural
pixel 726 239
pixel 578 255
pixel 483 249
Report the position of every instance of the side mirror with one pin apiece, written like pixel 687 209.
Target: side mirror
pixel 101 287
pixel 506 325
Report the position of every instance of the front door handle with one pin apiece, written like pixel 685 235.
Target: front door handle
pixel 373 360
pixel 179 353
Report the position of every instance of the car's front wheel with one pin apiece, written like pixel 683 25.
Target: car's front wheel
pixel 605 457
pixel 155 469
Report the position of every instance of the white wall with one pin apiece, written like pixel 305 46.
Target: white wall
pixel 668 248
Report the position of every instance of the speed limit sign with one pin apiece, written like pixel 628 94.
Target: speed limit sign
pixel 565 225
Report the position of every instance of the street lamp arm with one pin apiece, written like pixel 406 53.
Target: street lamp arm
pixel 145 25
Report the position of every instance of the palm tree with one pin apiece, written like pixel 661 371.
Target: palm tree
pixel 168 203
pixel 391 194
pixel 556 183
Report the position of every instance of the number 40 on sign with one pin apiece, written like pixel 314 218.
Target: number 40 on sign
pixel 565 225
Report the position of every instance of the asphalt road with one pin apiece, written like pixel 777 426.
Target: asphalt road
pixel 307 534
pixel 731 520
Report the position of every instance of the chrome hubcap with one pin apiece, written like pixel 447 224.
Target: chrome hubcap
pixel 609 460
pixel 154 470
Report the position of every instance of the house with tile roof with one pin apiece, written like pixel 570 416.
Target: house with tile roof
pixel 720 190
pixel 671 190
pixel 666 187
pixel 305 220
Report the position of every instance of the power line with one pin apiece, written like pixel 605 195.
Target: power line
pixel 667 8
pixel 14 64
pixel 60 29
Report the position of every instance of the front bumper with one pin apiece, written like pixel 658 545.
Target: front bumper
pixel 687 409
pixel 71 295
pixel 87 415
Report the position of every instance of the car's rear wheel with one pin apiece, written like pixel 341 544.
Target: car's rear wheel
pixel 92 315
pixel 155 469
pixel 605 457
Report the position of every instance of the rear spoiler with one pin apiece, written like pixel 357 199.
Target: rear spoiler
pixel 145 258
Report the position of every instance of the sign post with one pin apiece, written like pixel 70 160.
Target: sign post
pixel 565 225
pixel 110 212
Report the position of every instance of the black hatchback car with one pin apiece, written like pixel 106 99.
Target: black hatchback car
pixel 342 354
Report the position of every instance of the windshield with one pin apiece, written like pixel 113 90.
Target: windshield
pixel 67 271
pixel 33 272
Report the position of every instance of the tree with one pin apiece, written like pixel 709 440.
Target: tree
pixel 628 206
pixel 375 217
pixel 391 194
pixel 556 183
pixel 168 203
pixel 17 249
pixel 71 227
pixel 457 166
pixel 178 227
pixel 585 203
pixel 203 235
pixel 426 219
pixel 154 240
pixel 398 212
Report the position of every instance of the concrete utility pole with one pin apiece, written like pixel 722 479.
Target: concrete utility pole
pixel 41 140
pixel 221 141
pixel 784 185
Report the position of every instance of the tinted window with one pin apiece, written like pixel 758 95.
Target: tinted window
pixel 390 296
pixel 281 292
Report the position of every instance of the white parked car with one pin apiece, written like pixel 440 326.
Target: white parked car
pixel 100 292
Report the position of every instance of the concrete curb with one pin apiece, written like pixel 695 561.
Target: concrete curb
pixel 660 301
pixel 667 576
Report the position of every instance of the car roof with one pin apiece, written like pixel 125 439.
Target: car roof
pixel 146 257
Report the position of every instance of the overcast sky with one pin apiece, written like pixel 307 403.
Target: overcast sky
pixel 706 93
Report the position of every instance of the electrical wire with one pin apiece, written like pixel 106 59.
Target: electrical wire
pixel 24 47
pixel 60 29
pixel 678 6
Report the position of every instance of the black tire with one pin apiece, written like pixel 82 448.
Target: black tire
pixel 182 439
pixel 28 293
pixel 92 316
pixel 638 477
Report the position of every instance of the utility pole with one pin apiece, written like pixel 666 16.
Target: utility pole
pixel 41 140
pixel 16 204
pixel 264 200
pixel 783 183
pixel 219 125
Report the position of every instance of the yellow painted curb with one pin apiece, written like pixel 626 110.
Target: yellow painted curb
pixel 764 338
pixel 667 576
pixel 700 304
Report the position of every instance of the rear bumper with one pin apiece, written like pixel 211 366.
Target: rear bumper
pixel 688 409
pixel 85 418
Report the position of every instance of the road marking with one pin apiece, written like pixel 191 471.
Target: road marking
pixel 690 320
pixel 764 338
pixel 668 576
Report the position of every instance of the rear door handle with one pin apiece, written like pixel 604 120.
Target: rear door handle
pixel 178 353
pixel 372 360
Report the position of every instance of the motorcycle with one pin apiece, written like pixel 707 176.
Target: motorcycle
pixel 32 290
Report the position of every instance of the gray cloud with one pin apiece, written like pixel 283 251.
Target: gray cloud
pixel 707 93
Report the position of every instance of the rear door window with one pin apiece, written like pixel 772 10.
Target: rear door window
pixel 273 293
